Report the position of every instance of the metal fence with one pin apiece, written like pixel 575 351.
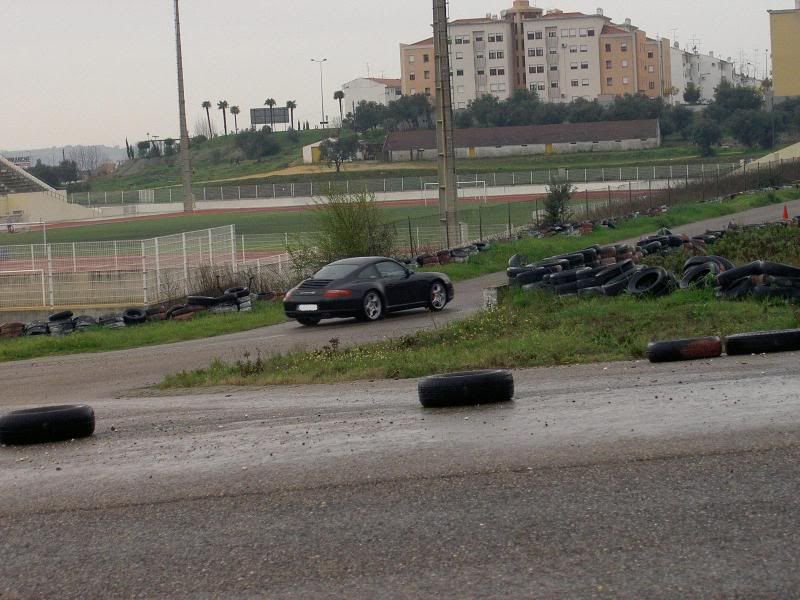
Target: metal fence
pixel 266 191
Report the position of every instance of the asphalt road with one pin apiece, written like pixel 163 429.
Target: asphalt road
pixel 612 480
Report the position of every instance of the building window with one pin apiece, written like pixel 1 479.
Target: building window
pixel 609 81
pixel 584 32
pixel 584 48
pixel 573 49
pixel 573 33
pixel 652 85
pixel 459 72
pixel 413 91
pixel 624 64
pixel 573 66
pixel 542 86
pixel 427 91
pixel 553 84
pixel 495 37
pixel 608 47
pixel 501 55
pixel 493 72
pixel 426 58
pixel 478 37
pixel 554 67
pixel 481 72
pixel 609 64
pixel 540 52
pixel 650 54
pixel 624 47
pixel 591 33
pixel 552 34
pixel 501 71
pixel 585 83
pixel 553 51
pixel 535 35
pixel 625 81
pixel 411 59
pixel 575 83
pixel 564 33
pixel 412 77
pixel 459 55
pixel 479 56
pixel 462 105
pixel 426 75
pixel 651 69
pixel 460 89
pixel 584 65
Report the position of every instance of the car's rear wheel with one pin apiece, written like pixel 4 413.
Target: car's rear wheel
pixel 308 321
pixel 437 297
pixel 373 306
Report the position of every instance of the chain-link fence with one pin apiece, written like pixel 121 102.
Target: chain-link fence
pixel 310 189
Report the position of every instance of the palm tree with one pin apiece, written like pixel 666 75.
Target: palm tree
pixel 223 105
pixel 271 103
pixel 339 95
pixel 207 106
pixel 291 105
pixel 235 112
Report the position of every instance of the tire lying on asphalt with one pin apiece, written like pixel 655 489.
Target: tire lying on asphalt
pixel 134 316
pixel 46 424
pixel 689 349
pixel 763 342
pixel 655 281
pixel 469 388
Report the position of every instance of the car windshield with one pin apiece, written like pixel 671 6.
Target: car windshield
pixel 335 271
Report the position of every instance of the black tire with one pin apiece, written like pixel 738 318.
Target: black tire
pixel 568 276
pixel 651 248
pixel 513 272
pixel 690 349
pixel 783 282
pixel 766 291
pixel 729 277
pixel 60 316
pixel 84 321
pixel 46 424
pixel 437 296
pixel 723 263
pixel 372 306
pixel 531 276
pixel 309 321
pixel 591 292
pixel 654 281
pixel 518 260
pixel 238 292
pixel 738 289
pixel 763 342
pixel 780 270
pixel 697 275
pixel 567 288
pixel 36 328
pixel 619 284
pixel 614 271
pixel 469 388
pixel 134 316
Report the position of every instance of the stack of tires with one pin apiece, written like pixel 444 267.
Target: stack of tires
pixel 458 255
pixel 35 328
pixel 83 322
pixel 111 321
pixel 701 271
pixel 761 279
pixel 666 242
pixel 11 330
pixel 244 299
pixel 60 323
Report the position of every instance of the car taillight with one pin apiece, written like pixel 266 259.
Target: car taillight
pixel 337 294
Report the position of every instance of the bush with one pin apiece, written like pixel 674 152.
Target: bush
pixel 556 206
pixel 257 144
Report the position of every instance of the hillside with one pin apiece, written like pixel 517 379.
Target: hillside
pixel 216 159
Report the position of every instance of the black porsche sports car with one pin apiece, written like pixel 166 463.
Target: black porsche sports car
pixel 366 288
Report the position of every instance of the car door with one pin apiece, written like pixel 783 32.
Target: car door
pixel 395 283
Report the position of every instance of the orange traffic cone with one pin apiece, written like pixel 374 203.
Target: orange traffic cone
pixel 785 212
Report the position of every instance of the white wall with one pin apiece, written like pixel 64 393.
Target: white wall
pixel 367 90
pixel 46 206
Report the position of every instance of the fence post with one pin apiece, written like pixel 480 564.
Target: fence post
pixel 256 191
pixel 240 191
pixel 609 196
pixel 158 271
pixel 510 227
pixel 513 178
pixel 74 259
pixel 286 241
pixel 185 265
pixel 745 177
pixel 411 236
pixel 144 276
pixel 274 195
pixel 480 222
pixel 244 256
pixel 291 190
pixel 221 193
pixel 170 195
pixel 233 248
pixel 210 249
pixel 669 192
pixel 204 194
pixel 650 192
pixel 604 174
pixel 50 274
pixel 347 185
pixel 33 259
pixel 587 202
pixel 637 174
pixel 116 257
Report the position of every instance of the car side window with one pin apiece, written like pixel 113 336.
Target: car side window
pixel 390 270
pixel 369 273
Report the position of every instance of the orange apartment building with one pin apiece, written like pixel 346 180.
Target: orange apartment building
pixel 632 63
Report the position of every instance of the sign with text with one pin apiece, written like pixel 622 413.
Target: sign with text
pixel 260 116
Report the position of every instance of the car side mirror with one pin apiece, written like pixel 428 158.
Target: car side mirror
pixel 409 273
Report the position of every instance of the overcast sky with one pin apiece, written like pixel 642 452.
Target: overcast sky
pixel 96 71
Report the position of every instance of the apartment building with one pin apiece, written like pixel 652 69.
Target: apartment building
pixel 371 89
pixel 632 63
pixel 706 71
pixel 562 56
pixel 785 32
pixel 481 61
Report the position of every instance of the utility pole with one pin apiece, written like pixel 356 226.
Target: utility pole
pixel 186 167
pixel 323 122
pixel 448 189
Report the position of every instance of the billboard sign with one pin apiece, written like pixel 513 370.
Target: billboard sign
pixel 260 116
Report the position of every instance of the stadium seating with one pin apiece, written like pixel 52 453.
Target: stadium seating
pixel 12 182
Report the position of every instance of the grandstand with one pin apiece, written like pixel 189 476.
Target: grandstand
pixel 14 180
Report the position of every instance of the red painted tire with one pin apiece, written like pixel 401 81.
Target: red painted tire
pixel 689 349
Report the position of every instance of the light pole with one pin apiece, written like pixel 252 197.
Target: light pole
pixel 186 168
pixel 321 89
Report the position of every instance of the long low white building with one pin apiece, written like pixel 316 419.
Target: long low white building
pixel 532 139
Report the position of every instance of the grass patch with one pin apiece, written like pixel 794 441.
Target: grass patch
pixel 529 330
pixel 204 325
pixel 496 259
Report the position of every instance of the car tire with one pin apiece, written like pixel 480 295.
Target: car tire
pixel 696 276
pixel 309 321
pixel 372 306
pixel 763 342
pixel 469 388
pixel 60 316
pixel 437 296
pixel 134 316
pixel 238 292
pixel 46 424
pixel 689 349
pixel 654 281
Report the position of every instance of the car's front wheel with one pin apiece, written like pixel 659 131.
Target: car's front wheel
pixel 308 321
pixel 373 306
pixel 437 299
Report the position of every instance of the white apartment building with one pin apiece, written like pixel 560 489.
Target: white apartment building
pixel 370 89
pixel 706 71
pixel 562 55
pixel 481 60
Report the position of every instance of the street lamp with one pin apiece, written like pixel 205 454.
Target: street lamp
pixel 321 89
